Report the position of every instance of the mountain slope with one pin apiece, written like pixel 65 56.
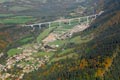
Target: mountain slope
pixel 97 58
pixel 89 55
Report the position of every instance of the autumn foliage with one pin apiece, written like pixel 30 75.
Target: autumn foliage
pixel 4 40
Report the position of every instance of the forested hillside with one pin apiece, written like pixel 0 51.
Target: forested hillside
pixel 97 59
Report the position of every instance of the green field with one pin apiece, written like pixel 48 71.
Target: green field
pixel 5 15
pixel 25 40
pixel 13 52
pixel 41 54
pixel 44 34
pixel 79 39
pixel 65 52
pixel 66 26
pixel 58 42
pixel 55 24
pixel 69 26
pixel 17 20
pixel 18 8
pixel 63 57
pixel 2 1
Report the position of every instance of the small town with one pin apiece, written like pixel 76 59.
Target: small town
pixel 24 61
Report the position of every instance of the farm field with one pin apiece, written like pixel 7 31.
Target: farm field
pixel 2 1
pixel 13 52
pixel 16 19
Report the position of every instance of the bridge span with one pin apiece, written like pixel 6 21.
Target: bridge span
pixel 87 21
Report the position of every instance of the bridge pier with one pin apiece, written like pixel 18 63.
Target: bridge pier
pixel 69 22
pixel 96 16
pixel 49 24
pixel 87 20
pixel 33 28
pixel 39 26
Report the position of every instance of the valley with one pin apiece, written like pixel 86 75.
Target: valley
pixel 59 40
pixel 31 57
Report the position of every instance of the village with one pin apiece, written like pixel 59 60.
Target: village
pixel 26 62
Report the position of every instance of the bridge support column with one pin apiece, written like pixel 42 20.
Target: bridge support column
pixel 39 26
pixel 69 22
pixel 33 28
pixel 49 24
pixel 95 16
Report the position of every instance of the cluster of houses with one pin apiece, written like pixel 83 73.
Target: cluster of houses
pixel 24 62
pixel 1 54
pixel 76 29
